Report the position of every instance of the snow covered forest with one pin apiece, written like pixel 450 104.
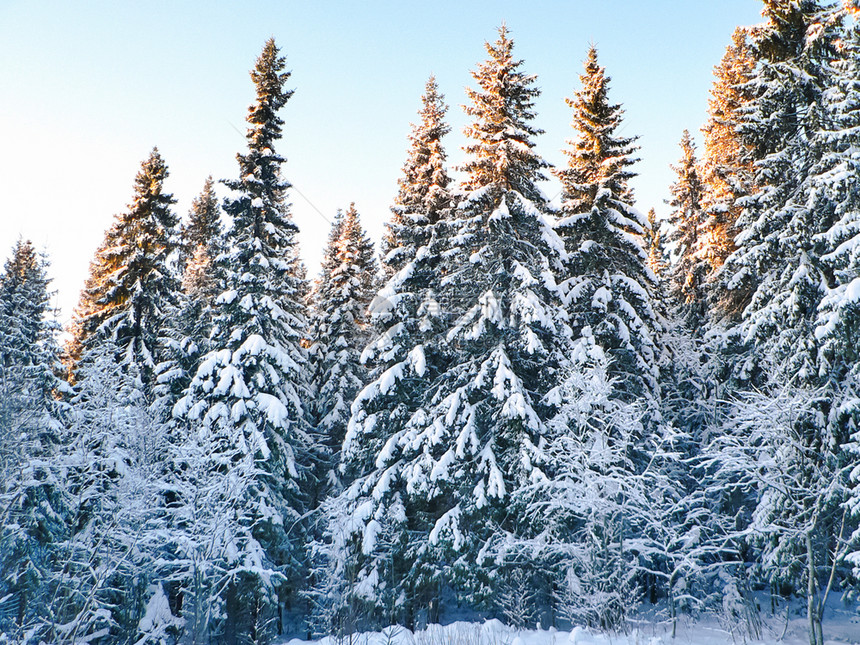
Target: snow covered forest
pixel 550 415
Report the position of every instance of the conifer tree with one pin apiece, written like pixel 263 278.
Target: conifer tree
pixel 407 312
pixel 433 492
pixel 776 270
pixel 502 152
pixel 406 308
pixel 131 285
pixel 186 334
pixel 422 197
pixel 203 228
pixel 607 289
pixel 727 171
pixel 687 218
pixel 789 228
pixel 607 282
pixel 28 349
pixel 339 329
pixel 31 422
pixel 654 246
pixel 248 397
pixel 838 319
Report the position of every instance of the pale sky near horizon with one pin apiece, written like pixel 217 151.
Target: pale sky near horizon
pixel 88 88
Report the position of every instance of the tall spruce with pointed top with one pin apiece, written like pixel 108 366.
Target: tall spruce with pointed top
pixel 727 162
pixel 654 246
pixel 405 313
pixel 28 349
pixel 502 150
pixel 202 243
pixel 608 395
pixel 433 492
pixel 203 228
pixel 339 327
pixel 775 272
pixel 422 197
pixel 113 448
pixel 607 283
pixel 248 399
pixel 186 335
pixel 31 421
pixel 687 217
pixel 131 284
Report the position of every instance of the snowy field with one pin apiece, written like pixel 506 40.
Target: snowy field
pixel 841 628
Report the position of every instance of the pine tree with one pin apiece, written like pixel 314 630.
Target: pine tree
pixel 341 298
pixel 248 397
pixel 131 285
pixel 423 197
pixel 687 218
pixel 433 490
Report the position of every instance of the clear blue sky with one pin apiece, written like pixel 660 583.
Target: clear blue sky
pixel 88 88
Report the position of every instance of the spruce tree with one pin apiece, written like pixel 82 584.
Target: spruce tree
pixel 776 271
pixel 422 197
pixel 433 491
pixel 186 334
pixel 131 284
pixel 502 152
pixel 727 163
pixel 247 400
pixel 607 282
pixel 687 217
pixel 780 274
pixel 407 312
pixel 616 329
pixel 654 246
pixel 203 228
pixel 837 173
pixel 28 349
pixel 31 422
pixel 340 327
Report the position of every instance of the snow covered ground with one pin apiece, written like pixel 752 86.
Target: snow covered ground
pixel 842 627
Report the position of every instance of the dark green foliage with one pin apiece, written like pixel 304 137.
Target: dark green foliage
pixel 606 283
pixel 422 197
pixel 686 219
pixel 339 331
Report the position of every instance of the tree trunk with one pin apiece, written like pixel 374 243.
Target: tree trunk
pixel 812 609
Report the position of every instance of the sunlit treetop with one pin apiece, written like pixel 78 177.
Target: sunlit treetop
pixel 502 152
